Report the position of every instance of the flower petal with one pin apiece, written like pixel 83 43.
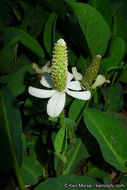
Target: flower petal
pixel 76 74
pixel 56 104
pixel 40 93
pixel 85 95
pixel 74 85
pixel 69 77
pixel 46 80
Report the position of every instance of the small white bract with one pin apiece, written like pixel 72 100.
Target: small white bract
pixel 57 99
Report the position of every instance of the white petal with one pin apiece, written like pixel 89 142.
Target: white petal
pixel 46 80
pixel 76 74
pixel 74 85
pixel 69 77
pixel 40 93
pixel 56 104
pixel 85 95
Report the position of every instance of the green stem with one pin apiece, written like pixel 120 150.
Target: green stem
pixel 114 77
pixel 82 111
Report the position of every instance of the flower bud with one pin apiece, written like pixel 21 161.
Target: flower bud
pixel 92 70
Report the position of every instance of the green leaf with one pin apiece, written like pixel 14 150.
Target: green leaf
pixel 119 117
pixel 104 7
pixel 26 39
pixel 120 28
pixel 76 152
pixel 49 32
pixel 113 102
pixel 6 55
pixel 71 57
pixel 76 108
pixel 95 29
pixel 110 135
pixel 59 140
pixel 31 170
pixel 82 65
pixel 60 182
pixel 20 76
pixel 108 64
pixel 117 48
pixel 10 131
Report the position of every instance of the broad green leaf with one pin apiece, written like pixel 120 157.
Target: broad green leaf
pixel 104 7
pixel 24 38
pixel 82 65
pixel 117 48
pixel 70 181
pixel 49 33
pixel 76 108
pixel 95 29
pixel 110 135
pixel 31 170
pixel 119 117
pixel 76 152
pixel 71 57
pixel 108 64
pixel 114 98
pixel 59 140
pixel 35 19
pixel 20 76
pixel 10 131
pixel 6 56
pixel 119 27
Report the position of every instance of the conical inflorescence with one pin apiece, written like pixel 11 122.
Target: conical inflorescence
pixel 59 68
pixel 92 70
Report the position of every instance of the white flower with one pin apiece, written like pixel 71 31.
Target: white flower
pixel 57 99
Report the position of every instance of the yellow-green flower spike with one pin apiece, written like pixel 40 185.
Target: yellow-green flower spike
pixel 92 70
pixel 59 66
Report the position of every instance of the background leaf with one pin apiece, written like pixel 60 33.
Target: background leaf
pixel 110 135
pixel 96 37
pixel 10 131
pixel 49 33
pixel 58 183
pixel 24 38
pixel 31 170
pixel 59 140
pixel 76 153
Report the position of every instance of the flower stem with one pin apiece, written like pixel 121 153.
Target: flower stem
pixel 82 111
